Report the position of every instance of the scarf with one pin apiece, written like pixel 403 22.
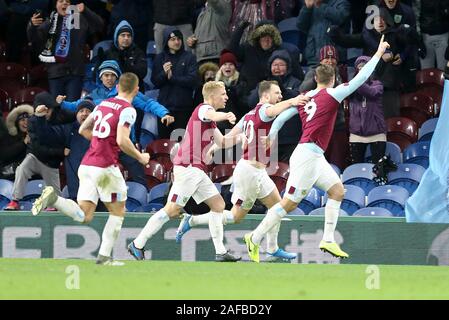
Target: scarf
pixel 56 49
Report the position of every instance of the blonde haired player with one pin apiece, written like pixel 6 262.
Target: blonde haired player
pixel 190 178
pixel 108 128
pixel 308 166
pixel 250 177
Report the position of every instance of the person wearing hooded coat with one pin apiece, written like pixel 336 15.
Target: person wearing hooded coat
pixel 13 140
pixel 290 133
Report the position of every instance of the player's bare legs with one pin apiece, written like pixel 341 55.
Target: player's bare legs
pixel 171 210
pixel 111 231
pixel 82 212
pixel 275 253
pixel 336 194
pixel 217 205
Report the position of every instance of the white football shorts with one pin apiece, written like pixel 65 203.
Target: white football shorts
pixel 106 184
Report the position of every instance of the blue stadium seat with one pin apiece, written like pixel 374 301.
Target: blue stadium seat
pixel 105 45
pixel 25 205
pixel 5 192
pixel 372 212
pixel 158 193
pixel 149 208
pixel 151 48
pixel 149 123
pixel 425 133
pixel 149 131
pixel 320 212
pixel 137 195
pixel 418 153
pixel 33 190
pixel 354 199
pixel 361 175
pixel 408 176
pixel 297 212
pixel 65 192
pixel 389 197
pixel 311 201
pixel 392 149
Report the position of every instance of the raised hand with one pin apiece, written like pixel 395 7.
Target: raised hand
pixel 60 99
pixel 36 19
pixel 383 46
pixel 144 158
pixel 167 120
pixel 231 118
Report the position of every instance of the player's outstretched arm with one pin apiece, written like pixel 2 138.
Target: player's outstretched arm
pixel 220 116
pixel 344 90
pixel 275 110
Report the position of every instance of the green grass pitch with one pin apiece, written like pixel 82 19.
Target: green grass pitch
pixel 172 280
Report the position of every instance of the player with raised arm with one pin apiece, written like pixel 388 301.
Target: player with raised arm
pixel 250 178
pixel 308 165
pixel 108 128
pixel 190 178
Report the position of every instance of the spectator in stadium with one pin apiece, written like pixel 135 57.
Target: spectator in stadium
pixel 62 46
pixel 279 66
pixel 212 31
pixel 404 21
pixel 172 13
pixel 13 140
pixel 109 72
pixel 138 13
pixel 75 144
pixel 206 72
pixel 432 22
pixel 230 76
pixel 367 124
pixel 20 13
pixel 315 17
pixel 255 53
pixel 126 53
pixel 44 152
pixel 337 151
pixel 391 69
pixel 175 75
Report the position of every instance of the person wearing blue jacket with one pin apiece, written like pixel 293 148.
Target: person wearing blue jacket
pixel 109 71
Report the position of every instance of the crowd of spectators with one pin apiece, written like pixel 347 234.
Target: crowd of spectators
pixel 191 42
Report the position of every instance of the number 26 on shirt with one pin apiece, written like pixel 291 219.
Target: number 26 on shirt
pixel 101 129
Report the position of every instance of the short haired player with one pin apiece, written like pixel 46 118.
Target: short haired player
pixel 190 178
pixel 108 128
pixel 250 177
pixel 308 166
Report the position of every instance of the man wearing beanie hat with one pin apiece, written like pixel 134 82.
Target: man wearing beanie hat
pixel 126 53
pixel 174 73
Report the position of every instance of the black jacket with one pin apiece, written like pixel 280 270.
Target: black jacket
pixel 176 93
